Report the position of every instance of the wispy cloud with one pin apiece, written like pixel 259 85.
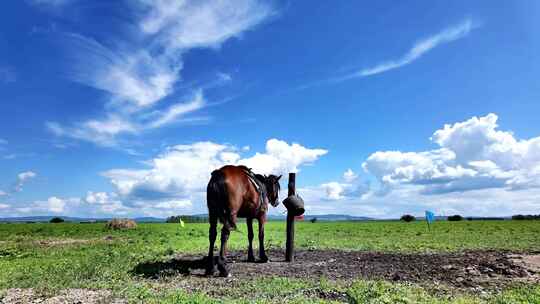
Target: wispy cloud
pixel 22 178
pixel 178 110
pixel 420 48
pixel 104 131
pixel 144 74
pixel 101 132
pixel 10 156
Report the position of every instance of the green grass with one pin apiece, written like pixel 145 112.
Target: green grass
pixel 99 263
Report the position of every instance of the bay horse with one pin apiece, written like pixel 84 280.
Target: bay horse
pixel 236 192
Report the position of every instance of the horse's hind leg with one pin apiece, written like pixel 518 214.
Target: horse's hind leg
pixel 212 234
pixel 222 263
pixel 249 222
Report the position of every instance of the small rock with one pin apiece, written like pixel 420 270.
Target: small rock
pixel 447 267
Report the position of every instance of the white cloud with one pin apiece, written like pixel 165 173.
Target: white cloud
pixel 183 171
pixel 141 75
pixel 282 158
pixel 349 176
pixel 420 48
pixel 224 77
pixel 192 24
pixel 3 193
pixel 4 206
pixel 174 204
pixel 473 155
pixel 55 204
pixel 335 190
pixel 52 205
pixel 349 189
pixel 99 198
pixel 23 178
pixel 105 203
pixel 3 141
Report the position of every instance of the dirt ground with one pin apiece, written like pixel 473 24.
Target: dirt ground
pixel 71 296
pixel 471 270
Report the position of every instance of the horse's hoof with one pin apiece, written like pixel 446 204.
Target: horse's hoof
pixel 264 259
pixel 251 259
pixel 225 275
pixel 210 271
pixel 222 267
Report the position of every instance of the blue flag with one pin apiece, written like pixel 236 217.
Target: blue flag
pixel 430 217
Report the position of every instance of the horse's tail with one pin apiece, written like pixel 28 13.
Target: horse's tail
pixel 218 199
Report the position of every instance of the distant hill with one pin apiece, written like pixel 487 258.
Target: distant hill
pixel 337 217
pixel 43 219
pixel 325 217
pixel 320 217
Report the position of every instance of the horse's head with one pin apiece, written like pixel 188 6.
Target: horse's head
pixel 272 188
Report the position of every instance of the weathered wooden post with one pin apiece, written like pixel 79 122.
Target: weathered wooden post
pixel 295 207
pixel 289 251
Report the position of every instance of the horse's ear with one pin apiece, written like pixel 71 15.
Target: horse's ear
pixel 278 178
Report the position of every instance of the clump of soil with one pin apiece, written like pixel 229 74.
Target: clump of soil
pixel 116 224
pixel 27 296
pixel 472 270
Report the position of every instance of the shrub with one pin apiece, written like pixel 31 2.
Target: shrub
pixel 455 218
pixel 313 220
pixel 56 220
pixel 408 218
pixel 173 219
pixel 116 224
pixel 187 219
pixel 520 217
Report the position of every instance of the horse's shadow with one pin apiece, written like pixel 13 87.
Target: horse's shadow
pixel 175 266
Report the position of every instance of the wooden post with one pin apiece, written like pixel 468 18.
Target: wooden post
pixel 289 252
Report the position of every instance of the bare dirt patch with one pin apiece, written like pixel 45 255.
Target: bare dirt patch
pixel 529 261
pixel 26 296
pixel 470 270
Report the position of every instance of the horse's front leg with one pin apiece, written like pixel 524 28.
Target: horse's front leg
pixel 222 262
pixel 249 222
pixel 262 254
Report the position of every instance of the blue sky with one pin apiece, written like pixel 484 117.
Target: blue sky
pixel 124 108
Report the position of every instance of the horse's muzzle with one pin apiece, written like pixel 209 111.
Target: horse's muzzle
pixel 275 204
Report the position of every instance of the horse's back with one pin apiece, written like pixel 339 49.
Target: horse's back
pixel 230 190
pixel 224 193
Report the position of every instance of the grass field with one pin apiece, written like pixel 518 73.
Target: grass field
pixel 53 257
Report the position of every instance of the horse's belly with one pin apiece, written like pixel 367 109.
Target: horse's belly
pixel 248 211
